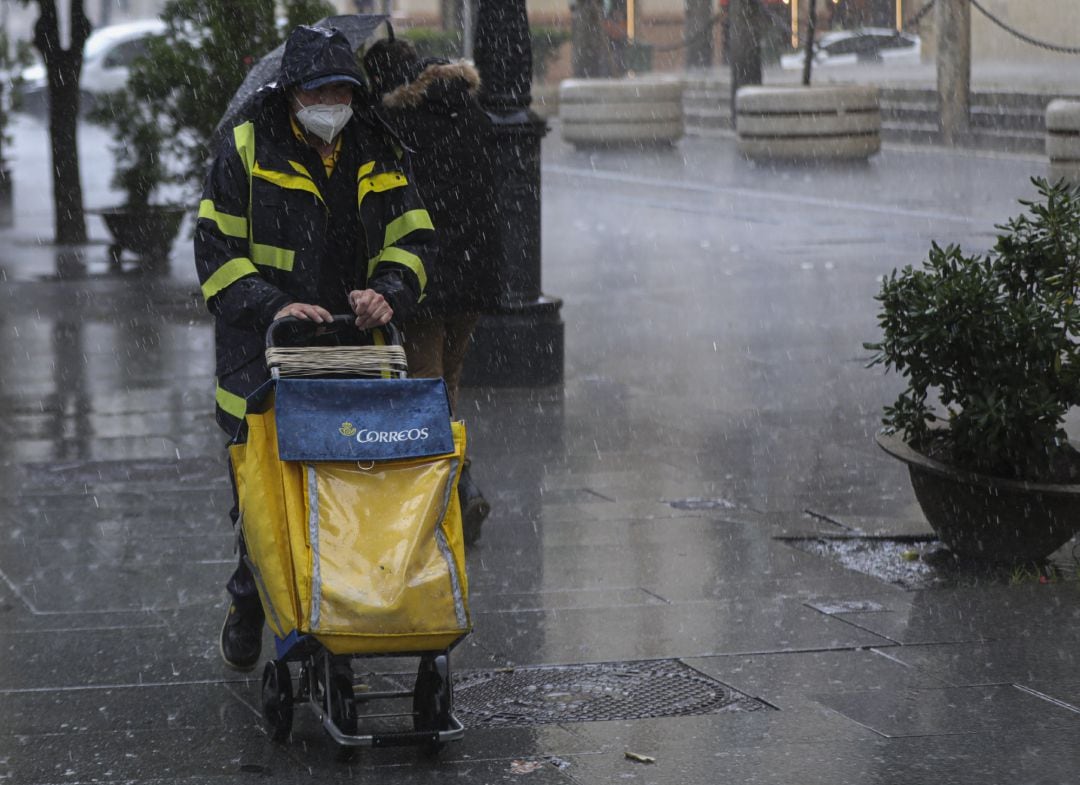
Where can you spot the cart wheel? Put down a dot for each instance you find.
(433, 697)
(343, 704)
(277, 699)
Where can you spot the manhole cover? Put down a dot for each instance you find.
(591, 693)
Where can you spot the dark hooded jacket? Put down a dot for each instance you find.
(273, 229)
(438, 116)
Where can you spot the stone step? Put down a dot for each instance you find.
(709, 118)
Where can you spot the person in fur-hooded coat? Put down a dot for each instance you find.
(432, 105)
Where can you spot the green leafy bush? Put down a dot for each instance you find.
(993, 338)
(179, 90)
(13, 58)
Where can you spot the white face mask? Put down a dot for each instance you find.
(324, 120)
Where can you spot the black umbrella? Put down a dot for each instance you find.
(358, 28)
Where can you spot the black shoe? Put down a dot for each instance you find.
(241, 637)
(474, 507)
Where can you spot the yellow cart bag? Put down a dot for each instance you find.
(350, 513)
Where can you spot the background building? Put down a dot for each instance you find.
(658, 24)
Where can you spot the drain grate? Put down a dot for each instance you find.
(595, 692)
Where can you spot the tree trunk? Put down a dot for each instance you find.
(697, 31)
(590, 49)
(745, 55)
(63, 69)
(954, 68)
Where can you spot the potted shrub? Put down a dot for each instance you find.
(163, 122)
(140, 224)
(987, 345)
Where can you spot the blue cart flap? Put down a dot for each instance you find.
(362, 419)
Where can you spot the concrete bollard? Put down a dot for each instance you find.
(1063, 140)
(597, 112)
(808, 123)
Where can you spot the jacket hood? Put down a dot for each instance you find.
(434, 81)
(315, 56)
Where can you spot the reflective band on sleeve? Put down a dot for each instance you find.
(272, 256)
(294, 182)
(231, 403)
(228, 225)
(402, 257)
(408, 222)
(228, 274)
(313, 536)
(364, 170)
(383, 181)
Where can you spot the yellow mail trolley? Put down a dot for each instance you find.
(347, 482)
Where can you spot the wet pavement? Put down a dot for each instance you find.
(716, 406)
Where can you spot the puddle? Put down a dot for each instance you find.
(924, 563)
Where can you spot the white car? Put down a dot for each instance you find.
(106, 56)
(863, 45)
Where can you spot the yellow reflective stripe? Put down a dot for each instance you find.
(378, 337)
(231, 402)
(402, 257)
(229, 273)
(405, 223)
(383, 181)
(272, 256)
(285, 180)
(244, 137)
(364, 170)
(299, 167)
(229, 225)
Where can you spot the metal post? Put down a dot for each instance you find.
(811, 29)
(521, 344)
(954, 68)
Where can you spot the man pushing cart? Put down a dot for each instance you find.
(308, 210)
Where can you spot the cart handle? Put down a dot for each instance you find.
(393, 334)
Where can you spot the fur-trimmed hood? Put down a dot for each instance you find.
(435, 81)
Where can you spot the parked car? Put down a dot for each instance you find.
(862, 45)
(107, 54)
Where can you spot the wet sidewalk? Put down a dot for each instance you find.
(660, 574)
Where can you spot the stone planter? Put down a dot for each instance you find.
(1063, 139)
(808, 123)
(987, 518)
(147, 232)
(598, 112)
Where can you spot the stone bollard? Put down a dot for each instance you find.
(808, 123)
(598, 112)
(1063, 140)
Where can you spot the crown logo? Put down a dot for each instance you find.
(347, 429)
